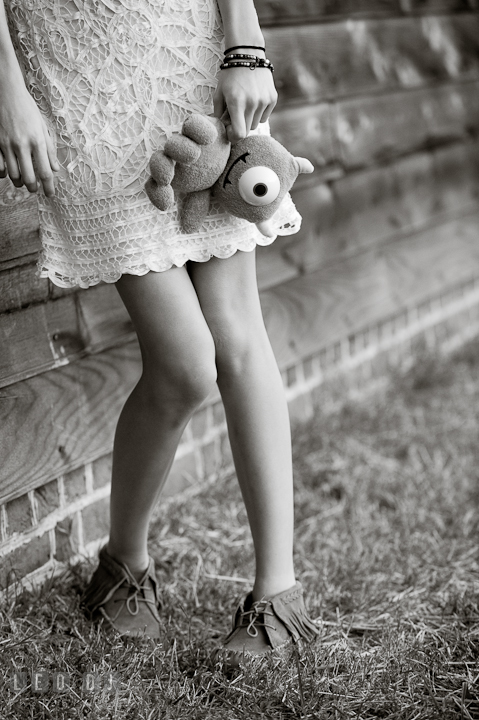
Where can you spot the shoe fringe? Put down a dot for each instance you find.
(295, 620)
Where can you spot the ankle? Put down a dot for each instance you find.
(136, 563)
(268, 587)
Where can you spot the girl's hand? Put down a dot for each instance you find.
(25, 144)
(243, 99)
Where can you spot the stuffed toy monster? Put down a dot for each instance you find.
(248, 179)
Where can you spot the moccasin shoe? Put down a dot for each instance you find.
(268, 625)
(128, 605)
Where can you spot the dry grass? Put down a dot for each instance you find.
(387, 527)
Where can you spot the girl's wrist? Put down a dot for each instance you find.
(240, 23)
(238, 39)
(10, 73)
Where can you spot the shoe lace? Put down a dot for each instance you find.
(135, 596)
(252, 617)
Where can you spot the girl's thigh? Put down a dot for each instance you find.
(227, 290)
(173, 334)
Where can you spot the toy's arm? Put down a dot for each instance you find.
(195, 208)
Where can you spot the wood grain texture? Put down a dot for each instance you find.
(372, 206)
(20, 286)
(320, 308)
(352, 133)
(374, 129)
(54, 422)
(438, 6)
(38, 338)
(276, 12)
(318, 62)
(104, 318)
(272, 266)
(309, 132)
(19, 229)
(51, 334)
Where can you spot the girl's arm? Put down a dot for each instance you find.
(24, 138)
(248, 96)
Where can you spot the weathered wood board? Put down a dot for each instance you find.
(103, 317)
(20, 286)
(340, 136)
(282, 12)
(19, 229)
(62, 419)
(314, 63)
(374, 129)
(371, 206)
(38, 338)
(273, 265)
(275, 12)
(309, 132)
(438, 6)
(320, 308)
(48, 335)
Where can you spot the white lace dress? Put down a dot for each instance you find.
(113, 79)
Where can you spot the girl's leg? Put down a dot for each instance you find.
(256, 411)
(178, 373)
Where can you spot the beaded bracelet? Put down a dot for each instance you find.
(252, 64)
(240, 47)
(249, 58)
(242, 56)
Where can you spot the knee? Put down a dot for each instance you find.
(239, 344)
(178, 385)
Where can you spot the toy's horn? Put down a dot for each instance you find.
(266, 228)
(304, 166)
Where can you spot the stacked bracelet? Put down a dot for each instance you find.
(251, 61)
(240, 47)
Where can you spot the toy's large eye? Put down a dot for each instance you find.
(259, 186)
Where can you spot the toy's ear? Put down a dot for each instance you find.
(266, 228)
(303, 165)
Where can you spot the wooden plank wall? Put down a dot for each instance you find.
(383, 97)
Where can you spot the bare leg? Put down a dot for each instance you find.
(178, 372)
(256, 412)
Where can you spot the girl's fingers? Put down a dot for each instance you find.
(219, 104)
(267, 112)
(52, 155)
(237, 129)
(249, 118)
(28, 173)
(12, 167)
(3, 166)
(258, 115)
(44, 168)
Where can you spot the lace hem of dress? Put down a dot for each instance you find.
(158, 263)
(221, 237)
(138, 260)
